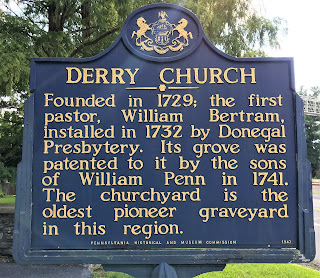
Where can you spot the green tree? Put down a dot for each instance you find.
(11, 141)
(312, 126)
(235, 27)
(83, 28)
(10, 146)
(80, 28)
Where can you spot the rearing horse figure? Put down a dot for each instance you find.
(141, 22)
(183, 33)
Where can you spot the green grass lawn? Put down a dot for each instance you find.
(263, 271)
(8, 200)
(242, 271)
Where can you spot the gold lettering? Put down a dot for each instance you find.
(214, 75)
(101, 73)
(187, 75)
(117, 74)
(162, 77)
(252, 74)
(132, 75)
(86, 75)
(79, 75)
(47, 99)
(226, 75)
(196, 75)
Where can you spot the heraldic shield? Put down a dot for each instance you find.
(162, 34)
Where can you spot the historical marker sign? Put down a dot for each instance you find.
(167, 148)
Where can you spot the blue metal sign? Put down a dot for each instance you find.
(167, 148)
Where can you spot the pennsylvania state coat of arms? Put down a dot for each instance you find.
(162, 36)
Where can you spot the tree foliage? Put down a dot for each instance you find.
(312, 126)
(10, 145)
(83, 28)
(236, 28)
(11, 141)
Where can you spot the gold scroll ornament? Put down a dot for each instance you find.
(160, 40)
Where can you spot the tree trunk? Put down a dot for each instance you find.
(85, 14)
(55, 16)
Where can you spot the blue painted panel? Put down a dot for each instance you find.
(205, 220)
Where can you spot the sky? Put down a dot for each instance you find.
(302, 41)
